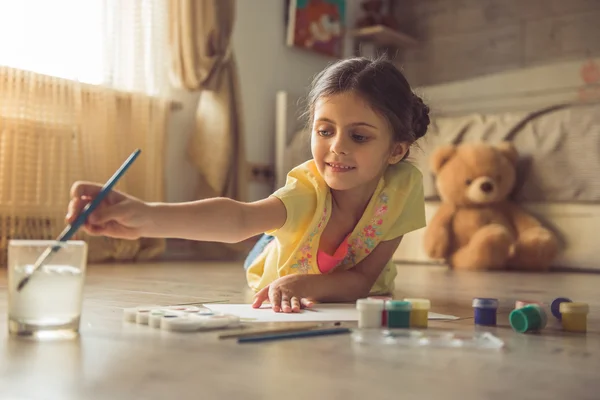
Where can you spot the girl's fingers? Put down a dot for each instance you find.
(91, 190)
(93, 230)
(280, 302)
(74, 208)
(100, 215)
(106, 213)
(286, 307)
(275, 297)
(306, 302)
(295, 304)
(261, 297)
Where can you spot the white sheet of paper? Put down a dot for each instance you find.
(322, 312)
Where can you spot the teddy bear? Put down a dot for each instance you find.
(477, 226)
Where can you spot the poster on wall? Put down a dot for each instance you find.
(317, 26)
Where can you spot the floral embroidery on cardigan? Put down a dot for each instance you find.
(366, 239)
(302, 263)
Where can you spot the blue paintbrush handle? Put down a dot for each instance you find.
(89, 208)
(294, 335)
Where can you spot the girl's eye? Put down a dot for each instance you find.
(360, 138)
(323, 133)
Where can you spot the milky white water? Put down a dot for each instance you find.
(51, 297)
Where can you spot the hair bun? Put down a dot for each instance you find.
(420, 121)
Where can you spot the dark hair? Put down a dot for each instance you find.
(380, 83)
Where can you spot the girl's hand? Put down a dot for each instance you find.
(287, 294)
(119, 215)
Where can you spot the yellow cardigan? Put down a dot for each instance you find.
(397, 207)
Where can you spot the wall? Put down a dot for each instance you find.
(459, 39)
(528, 88)
(267, 65)
(467, 38)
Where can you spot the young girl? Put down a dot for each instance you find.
(331, 231)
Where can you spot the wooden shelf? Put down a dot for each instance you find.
(384, 36)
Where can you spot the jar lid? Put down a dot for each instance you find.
(485, 302)
(523, 303)
(525, 319)
(398, 305)
(384, 298)
(419, 304)
(574, 307)
(369, 304)
(555, 305)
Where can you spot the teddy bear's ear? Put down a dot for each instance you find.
(509, 151)
(440, 156)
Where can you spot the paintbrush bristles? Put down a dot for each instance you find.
(22, 283)
(39, 262)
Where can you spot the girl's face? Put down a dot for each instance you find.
(351, 144)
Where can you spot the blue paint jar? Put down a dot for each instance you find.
(485, 311)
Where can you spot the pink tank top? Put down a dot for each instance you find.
(327, 262)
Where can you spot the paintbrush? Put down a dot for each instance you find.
(281, 329)
(294, 335)
(254, 331)
(70, 230)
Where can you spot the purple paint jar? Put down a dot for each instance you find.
(485, 311)
(555, 306)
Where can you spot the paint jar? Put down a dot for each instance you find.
(574, 316)
(543, 315)
(383, 299)
(369, 313)
(398, 313)
(419, 312)
(485, 311)
(555, 306)
(523, 303)
(529, 318)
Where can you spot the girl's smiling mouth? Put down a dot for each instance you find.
(337, 167)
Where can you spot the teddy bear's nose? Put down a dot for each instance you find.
(486, 187)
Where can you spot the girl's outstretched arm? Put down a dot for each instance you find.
(216, 219)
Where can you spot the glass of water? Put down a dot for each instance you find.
(49, 305)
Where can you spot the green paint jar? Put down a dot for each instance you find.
(530, 318)
(398, 313)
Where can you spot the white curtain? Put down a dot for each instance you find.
(136, 54)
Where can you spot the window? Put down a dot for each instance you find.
(118, 43)
(62, 38)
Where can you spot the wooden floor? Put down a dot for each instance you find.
(116, 360)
